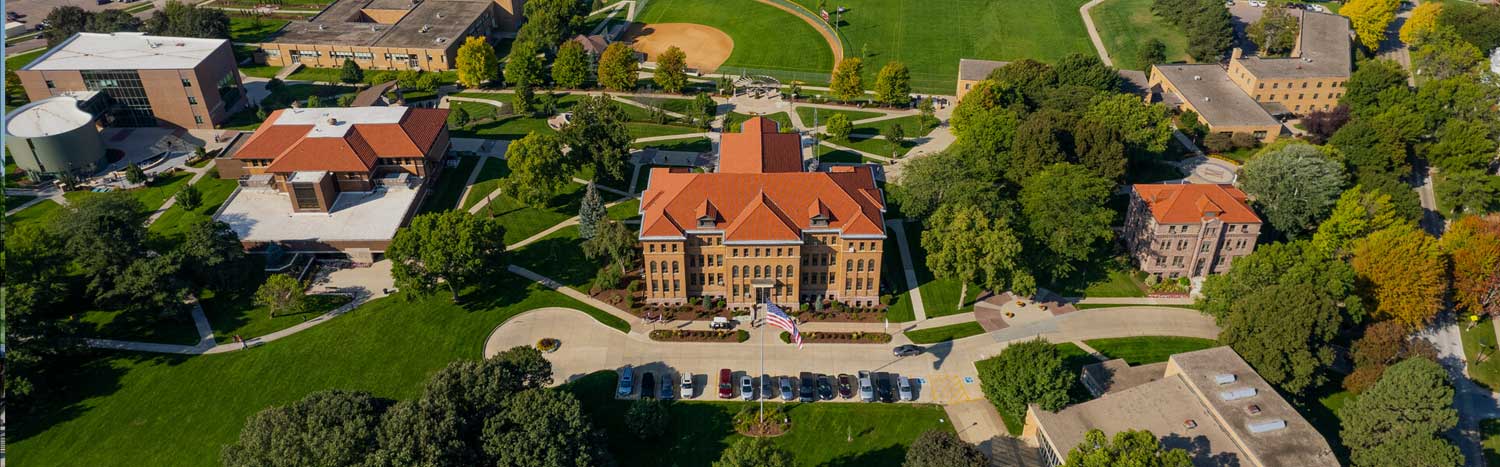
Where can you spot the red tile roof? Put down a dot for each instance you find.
(291, 149)
(760, 147)
(1191, 203)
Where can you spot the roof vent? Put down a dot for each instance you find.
(1197, 78)
(1269, 425)
(332, 121)
(425, 28)
(1190, 424)
(1237, 394)
(1224, 378)
(322, 27)
(1253, 409)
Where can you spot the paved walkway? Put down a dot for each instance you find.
(1473, 402)
(909, 271)
(1088, 23)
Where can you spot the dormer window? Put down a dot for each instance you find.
(705, 222)
(820, 221)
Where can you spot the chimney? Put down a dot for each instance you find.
(1236, 53)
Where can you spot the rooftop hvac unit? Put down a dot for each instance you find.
(1268, 425)
(1224, 378)
(1237, 394)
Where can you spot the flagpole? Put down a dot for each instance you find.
(762, 414)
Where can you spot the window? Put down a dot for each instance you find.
(1304, 85)
(364, 56)
(1261, 86)
(848, 265)
(1171, 229)
(1259, 134)
(198, 119)
(1301, 95)
(1275, 85)
(50, 85)
(273, 53)
(187, 83)
(1203, 248)
(674, 267)
(653, 267)
(1320, 84)
(1315, 95)
(193, 101)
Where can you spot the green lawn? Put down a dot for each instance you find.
(945, 333)
(288, 93)
(119, 324)
(733, 120)
(15, 201)
(518, 126)
(1479, 349)
(1116, 284)
(627, 210)
(559, 256)
(243, 29)
(234, 313)
(39, 214)
(120, 409)
(879, 147)
(693, 144)
(827, 154)
(15, 62)
(176, 220)
(1126, 25)
(261, 71)
(244, 120)
(910, 124)
(1073, 358)
(1153, 172)
(766, 39)
(1489, 432)
(892, 272)
(806, 114)
(646, 130)
(488, 180)
(820, 436)
(1320, 408)
(1144, 350)
(939, 296)
(450, 185)
(307, 73)
(670, 104)
(521, 221)
(931, 36)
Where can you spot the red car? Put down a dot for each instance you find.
(726, 386)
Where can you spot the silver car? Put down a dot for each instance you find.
(747, 388)
(903, 387)
(787, 392)
(866, 387)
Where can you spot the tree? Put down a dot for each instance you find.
(543, 428)
(523, 67)
(1028, 76)
(1206, 23)
(104, 235)
(671, 70)
(1406, 273)
(1399, 419)
(962, 243)
(570, 70)
(1142, 126)
(703, 110)
(458, 116)
(185, 20)
(895, 136)
(839, 127)
(755, 452)
(1423, 20)
(1323, 124)
(1370, 19)
(1384, 343)
(1477, 25)
(1275, 33)
(1153, 52)
(548, 22)
(928, 112)
(1130, 447)
(986, 102)
(1087, 70)
(450, 248)
(948, 177)
(597, 136)
(1468, 192)
(1038, 143)
(1371, 149)
(538, 168)
(1473, 242)
(893, 84)
(1065, 207)
(1098, 147)
(1369, 79)
(314, 101)
(329, 428)
(847, 81)
(1288, 347)
(282, 295)
(212, 254)
(64, 22)
(38, 328)
(648, 418)
(1294, 186)
(590, 212)
(1027, 372)
(613, 242)
(351, 73)
(1441, 54)
(1462, 145)
(189, 197)
(937, 448)
(109, 21)
(617, 68)
(1357, 213)
(476, 62)
(134, 175)
(417, 80)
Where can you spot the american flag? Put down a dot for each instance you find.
(824, 14)
(778, 318)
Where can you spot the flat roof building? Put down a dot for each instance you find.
(179, 82)
(389, 34)
(1208, 402)
(332, 179)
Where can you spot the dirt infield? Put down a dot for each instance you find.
(706, 47)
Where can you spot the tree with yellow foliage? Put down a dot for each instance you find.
(1424, 19)
(1405, 273)
(1370, 19)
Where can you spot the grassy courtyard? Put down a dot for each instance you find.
(1126, 25)
(245, 29)
(175, 221)
(931, 36)
(1145, 350)
(822, 434)
(945, 333)
(766, 39)
(130, 409)
(450, 185)
(807, 114)
(939, 296)
(1479, 349)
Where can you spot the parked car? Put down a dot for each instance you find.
(825, 387)
(627, 382)
(687, 385)
(1317, 8)
(903, 386)
(787, 392)
(866, 387)
(12, 16)
(720, 322)
(726, 386)
(883, 387)
(767, 387)
(667, 392)
(846, 386)
(747, 388)
(807, 390)
(648, 385)
(908, 350)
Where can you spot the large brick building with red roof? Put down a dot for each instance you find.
(760, 225)
(1189, 230)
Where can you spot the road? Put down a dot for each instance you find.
(1474, 403)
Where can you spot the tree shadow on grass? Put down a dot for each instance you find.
(62, 395)
(893, 455)
(501, 289)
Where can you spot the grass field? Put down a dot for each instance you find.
(522, 221)
(15, 201)
(450, 186)
(766, 39)
(733, 120)
(176, 220)
(931, 36)
(1479, 344)
(234, 313)
(820, 434)
(1148, 349)
(490, 173)
(1489, 437)
(939, 296)
(120, 324)
(15, 62)
(945, 333)
(242, 29)
(892, 272)
(693, 144)
(807, 114)
(827, 154)
(1126, 25)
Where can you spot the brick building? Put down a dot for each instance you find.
(389, 34)
(1188, 230)
(364, 169)
(761, 225)
(178, 82)
(1252, 92)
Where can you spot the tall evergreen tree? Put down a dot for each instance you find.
(590, 212)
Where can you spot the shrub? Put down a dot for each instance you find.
(1243, 140)
(887, 299)
(1218, 142)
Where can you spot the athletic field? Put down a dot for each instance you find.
(767, 40)
(1126, 25)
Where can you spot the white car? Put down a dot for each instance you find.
(687, 385)
(747, 388)
(1258, 4)
(1317, 8)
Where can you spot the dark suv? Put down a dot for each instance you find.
(883, 390)
(807, 388)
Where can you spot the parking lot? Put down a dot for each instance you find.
(936, 388)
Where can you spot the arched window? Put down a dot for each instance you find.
(778, 271)
(871, 264)
(745, 271)
(653, 267)
(674, 267)
(848, 265)
(757, 271)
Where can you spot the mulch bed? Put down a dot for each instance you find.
(691, 335)
(824, 337)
